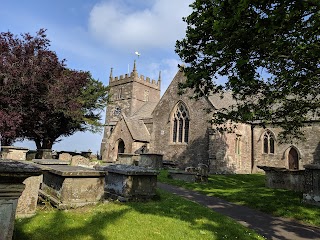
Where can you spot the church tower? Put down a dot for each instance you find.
(128, 93)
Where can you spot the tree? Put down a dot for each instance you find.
(268, 50)
(41, 99)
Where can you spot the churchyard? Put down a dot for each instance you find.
(88, 199)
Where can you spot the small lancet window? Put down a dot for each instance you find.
(180, 124)
(238, 145)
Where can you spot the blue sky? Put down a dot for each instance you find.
(95, 35)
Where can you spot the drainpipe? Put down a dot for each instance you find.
(252, 148)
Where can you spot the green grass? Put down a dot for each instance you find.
(167, 217)
(250, 190)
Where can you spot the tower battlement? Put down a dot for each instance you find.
(134, 76)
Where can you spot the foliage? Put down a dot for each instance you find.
(41, 99)
(169, 217)
(267, 50)
(250, 190)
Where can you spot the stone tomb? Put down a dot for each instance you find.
(151, 160)
(128, 159)
(311, 193)
(284, 178)
(14, 153)
(127, 183)
(12, 175)
(72, 186)
(182, 175)
(50, 162)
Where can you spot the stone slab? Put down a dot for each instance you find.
(50, 162)
(74, 171)
(129, 170)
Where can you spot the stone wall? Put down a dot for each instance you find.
(222, 151)
(308, 149)
(196, 150)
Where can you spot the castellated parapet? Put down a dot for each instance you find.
(133, 76)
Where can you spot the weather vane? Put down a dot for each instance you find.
(137, 53)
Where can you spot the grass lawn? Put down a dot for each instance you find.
(167, 217)
(250, 190)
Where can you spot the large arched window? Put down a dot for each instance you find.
(268, 142)
(180, 124)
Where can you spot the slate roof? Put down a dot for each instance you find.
(145, 111)
(219, 102)
(138, 129)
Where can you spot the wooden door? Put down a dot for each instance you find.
(293, 159)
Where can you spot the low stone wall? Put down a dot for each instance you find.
(127, 183)
(284, 178)
(182, 175)
(72, 186)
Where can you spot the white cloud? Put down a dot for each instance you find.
(158, 26)
(168, 68)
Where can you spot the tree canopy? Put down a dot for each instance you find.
(40, 98)
(269, 53)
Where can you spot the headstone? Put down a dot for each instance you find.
(65, 157)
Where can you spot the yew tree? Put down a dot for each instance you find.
(268, 53)
(40, 98)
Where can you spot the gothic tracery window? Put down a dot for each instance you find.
(268, 142)
(180, 124)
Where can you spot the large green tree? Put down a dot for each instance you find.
(268, 52)
(40, 98)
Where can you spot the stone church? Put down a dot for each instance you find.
(139, 120)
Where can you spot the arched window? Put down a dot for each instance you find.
(180, 124)
(268, 142)
(121, 146)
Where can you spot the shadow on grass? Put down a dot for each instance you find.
(166, 213)
(60, 226)
(250, 190)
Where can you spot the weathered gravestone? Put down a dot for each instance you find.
(311, 193)
(12, 175)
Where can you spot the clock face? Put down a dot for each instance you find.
(117, 111)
